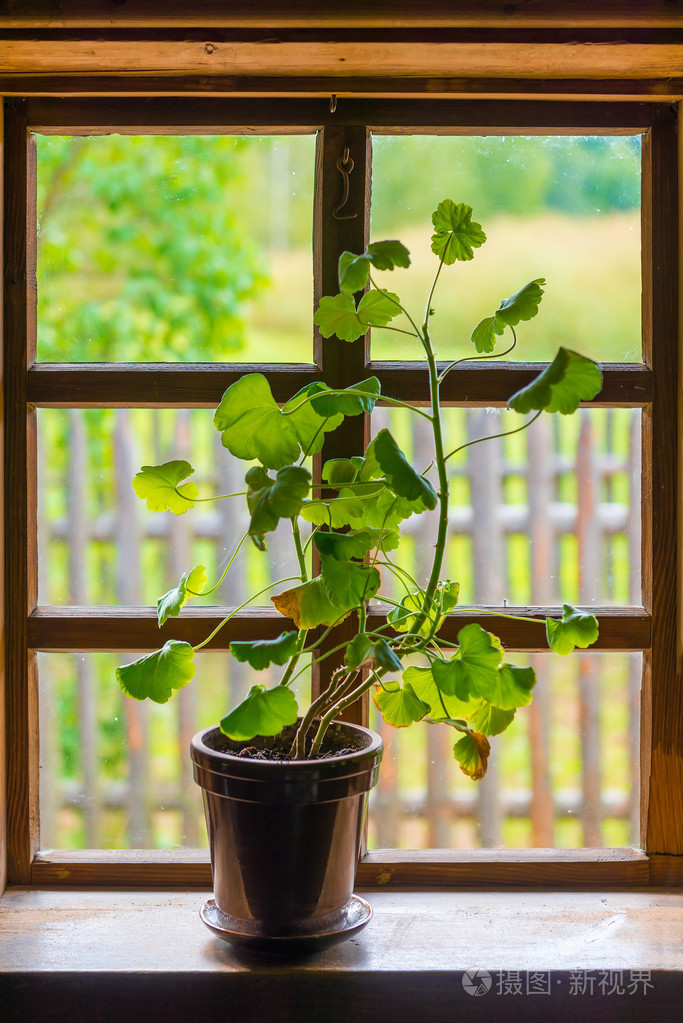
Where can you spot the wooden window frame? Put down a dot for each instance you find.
(653, 386)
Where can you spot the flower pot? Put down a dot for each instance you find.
(285, 837)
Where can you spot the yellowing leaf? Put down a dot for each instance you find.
(308, 605)
(472, 753)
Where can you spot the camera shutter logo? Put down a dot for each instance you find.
(476, 982)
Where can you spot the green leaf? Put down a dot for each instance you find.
(159, 486)
(484, 334)
(263, 712)
(253, 427)
(362, 508)
(473, 669)
(403, 617)
(512, 687)
(347, 583)
(338, 471)
(490, 720)
(156, 675)
(353, 272)
(362, 650)
(576, 628)
(400, 475)
(344, 546)
(337, 314)
(341, 402)
(523, 305)
(270, 500)
(472, 753)
(399, 705)
(456, 233)
(261, 652)
(442, 706)
(309, 605)
(569, 379)
(377, 308)
(189, 586)
(310, 426)
(389, 254)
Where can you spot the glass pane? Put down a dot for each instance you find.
(548, 515)
(98, 543)
(116, 773)
(175, 249)
(564, 774)
(563, 208)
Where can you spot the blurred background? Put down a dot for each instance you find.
(199, 249)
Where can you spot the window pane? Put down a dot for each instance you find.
(98, 543)
(548, 515)
(116, 773)
(562, 208)
(175, 248)
(564, 774)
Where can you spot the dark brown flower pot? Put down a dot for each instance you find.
(285, 837)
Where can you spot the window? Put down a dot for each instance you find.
(33, 387)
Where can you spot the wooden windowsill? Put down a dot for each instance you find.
(98, 955)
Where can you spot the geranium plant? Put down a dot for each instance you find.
(353, 516)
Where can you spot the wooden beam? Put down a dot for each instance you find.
(213, 56)
(662, 705)
(189, 114)
(637, 89)
(88, 629)
(164, 385)
(20, 496)
(619, 14)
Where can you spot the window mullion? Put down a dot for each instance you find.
(342, 155)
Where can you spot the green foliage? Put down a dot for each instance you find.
(339, 316)
(260, 653)
(399, 705)
(162, 488)
(156, 675)
(523, 305)
(456, 234)
(252, 426)
(569, 379)
(270, 500)
(472, 690)
(189, 586)
(576, 628)
(263, 712)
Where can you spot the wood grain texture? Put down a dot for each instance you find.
(154, 385)
(338, 228)
(119, 628)
(491, 59)
(19, 518)
(87, 116)
(3, 773)
(662, 785)
(56, 14)
(381, 869)
(445, 87)
(164, 385)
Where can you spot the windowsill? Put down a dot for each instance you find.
(104, 953)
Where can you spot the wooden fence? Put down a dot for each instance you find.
(529, 519)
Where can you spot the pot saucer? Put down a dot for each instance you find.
(353, 917)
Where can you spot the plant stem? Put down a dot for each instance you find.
(493, 436)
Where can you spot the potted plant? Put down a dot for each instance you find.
(285, 788)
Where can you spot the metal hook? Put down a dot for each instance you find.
(333, 102)
(344, 165)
